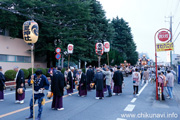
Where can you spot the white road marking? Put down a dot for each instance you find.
(14, 92)
(129, 107)
(142, 89)
(120, 119)
(133, 100)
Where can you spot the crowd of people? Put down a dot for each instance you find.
(102, 79)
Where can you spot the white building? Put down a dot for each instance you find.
(15, 52)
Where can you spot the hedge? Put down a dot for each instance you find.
(26, 73)
(30, 71)
(43, 70)
(10, 75)
(47, 74)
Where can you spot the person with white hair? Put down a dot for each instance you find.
(70, 79)
(20, 83)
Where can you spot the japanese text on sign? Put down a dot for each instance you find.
(164, 47)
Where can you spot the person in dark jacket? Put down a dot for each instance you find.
(41, 83)
(90, 76)
(20, 83)
(57, 88)
(70, 81)
(2, 84)
(99, 81)
(82, 84)
(118, 80)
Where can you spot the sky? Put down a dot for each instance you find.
(145, 17)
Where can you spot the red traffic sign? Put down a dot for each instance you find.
(58, 50)
(58, 56)
(163, 36)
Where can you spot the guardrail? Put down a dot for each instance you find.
(12, 84)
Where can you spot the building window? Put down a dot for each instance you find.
(3, 58)
(27, 59)
(11, 58)
(19, 59)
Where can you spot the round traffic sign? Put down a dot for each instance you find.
(58, 50)
(163, 36)
(58, 56)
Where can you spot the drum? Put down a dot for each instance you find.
(92, 85)
(20, 90)
(49, 95)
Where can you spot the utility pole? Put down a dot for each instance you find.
(171, 37)
(171, 40)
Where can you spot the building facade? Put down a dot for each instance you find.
(15, 52)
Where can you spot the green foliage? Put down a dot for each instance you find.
(10, 75)
(83, 70)
(26, 73)
(123, 44)
(43, 70)
(80, 22)
(47, 74)
(30, 71)
(63, 70)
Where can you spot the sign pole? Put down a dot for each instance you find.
(68, 60)
(99, 61)
(108, 58)
(32, 61)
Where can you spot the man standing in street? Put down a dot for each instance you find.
(90, 76)
(70, 81)
(57, 88)
(108, 78)
(98, 80)
(170, 83)
(20, 83)
(2, 84)
(40, 84)
(82, 84)
(118, 80)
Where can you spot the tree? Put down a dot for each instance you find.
(123, 42)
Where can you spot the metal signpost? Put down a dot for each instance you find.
(163, 35)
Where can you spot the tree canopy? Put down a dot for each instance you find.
(79, 22)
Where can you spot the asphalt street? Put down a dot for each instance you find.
(124, 107)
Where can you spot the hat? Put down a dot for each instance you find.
(79, 70)
(118, 67)
(0, 67)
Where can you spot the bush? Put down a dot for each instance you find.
(43, 70)
(63, 70)
(83, 70)
(47, 74)
(26, 73)
(10, 75)
(30, 71)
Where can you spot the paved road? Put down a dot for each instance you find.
(123, 107)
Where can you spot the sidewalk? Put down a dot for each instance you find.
(176, 92)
